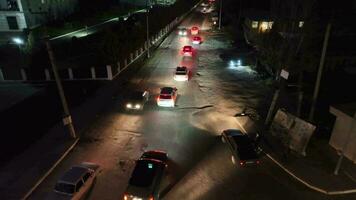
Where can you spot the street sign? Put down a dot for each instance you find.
(284, 74)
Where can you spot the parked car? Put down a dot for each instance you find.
(137, 100)
(167, 97)
(182, 31)
(147, 176)
(76, 182)
(188, 51)
(181, 74)
(243, 148)
(194, 30)
(197, 40)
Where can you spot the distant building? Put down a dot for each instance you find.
(16, 15)
(255, 22)
(150, 2)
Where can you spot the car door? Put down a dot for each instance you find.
(79, 190)
(88, 180)
(232, 145)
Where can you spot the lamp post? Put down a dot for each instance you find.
(147, 31)
(220, 14)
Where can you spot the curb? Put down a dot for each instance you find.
(305, 183)
(28, 194)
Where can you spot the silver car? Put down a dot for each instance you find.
(76, 182)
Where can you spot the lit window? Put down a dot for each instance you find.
(264, 26)
(270, 25)
(254, 24)
(301, 23)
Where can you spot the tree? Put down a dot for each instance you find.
(110, 47)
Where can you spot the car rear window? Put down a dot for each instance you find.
(187, 48)
(181, 72)
(166, 96)
(144, 173)
(65, 188)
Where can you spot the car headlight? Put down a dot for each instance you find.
(128, 105)
(137, 106)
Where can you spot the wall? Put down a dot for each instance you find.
(343, 136)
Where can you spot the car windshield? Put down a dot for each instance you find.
(155, 155)
(136, 96)
(144, 173)
(65, 188)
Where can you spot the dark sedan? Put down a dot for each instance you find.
(242, 147)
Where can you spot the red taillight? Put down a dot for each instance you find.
(242, 163)
(151, 198)
(126, 197)
(158, 98)
(258, 162)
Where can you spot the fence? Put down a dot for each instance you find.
(92, 73)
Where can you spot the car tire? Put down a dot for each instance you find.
(233, 160)
(223, 139)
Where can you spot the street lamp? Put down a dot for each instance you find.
(147, 31)
(17, 40)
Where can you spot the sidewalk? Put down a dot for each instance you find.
(23, 172)
(316, 169)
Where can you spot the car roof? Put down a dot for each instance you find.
(145, 171)
(166, 90)
(73, 174)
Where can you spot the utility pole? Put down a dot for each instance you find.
(220, 14)
(67, 120)
(147, 31)
(320, 71)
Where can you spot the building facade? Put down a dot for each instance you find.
(17, 15)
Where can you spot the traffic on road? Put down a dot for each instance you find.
(174, 135)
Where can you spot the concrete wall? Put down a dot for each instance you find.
(343, 136)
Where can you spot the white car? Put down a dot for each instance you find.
(181, 74)
(76, 182)
(167, 97)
